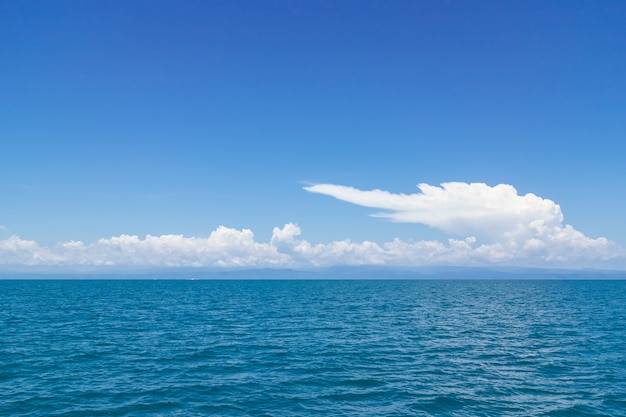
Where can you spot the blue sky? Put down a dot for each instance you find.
(175, 118)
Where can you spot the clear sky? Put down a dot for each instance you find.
(201, 119)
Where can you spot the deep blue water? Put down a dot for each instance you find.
(308, 348)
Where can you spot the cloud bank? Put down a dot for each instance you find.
(499, 225)
(492, 226)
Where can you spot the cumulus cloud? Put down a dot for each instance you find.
(225, 247)
(457, 207)
(509, 226)
(16, 251)
(228, 248)
(492, 225)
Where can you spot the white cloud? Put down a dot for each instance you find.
(338, 252)
(225, 247)
(495, 225)
(228, 248)
(510, 226)
(16, 251)
(457, 207)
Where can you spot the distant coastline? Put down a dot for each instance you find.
(333, 273)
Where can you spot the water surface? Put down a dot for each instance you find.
(305, 348)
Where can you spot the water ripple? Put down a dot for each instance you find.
(303, 348)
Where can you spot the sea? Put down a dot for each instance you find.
(313, 347)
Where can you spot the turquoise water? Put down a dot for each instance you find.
(308, 348)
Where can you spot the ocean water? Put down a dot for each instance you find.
(309, 348)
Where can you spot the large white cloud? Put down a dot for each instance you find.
(456, 207)
(508, 226)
